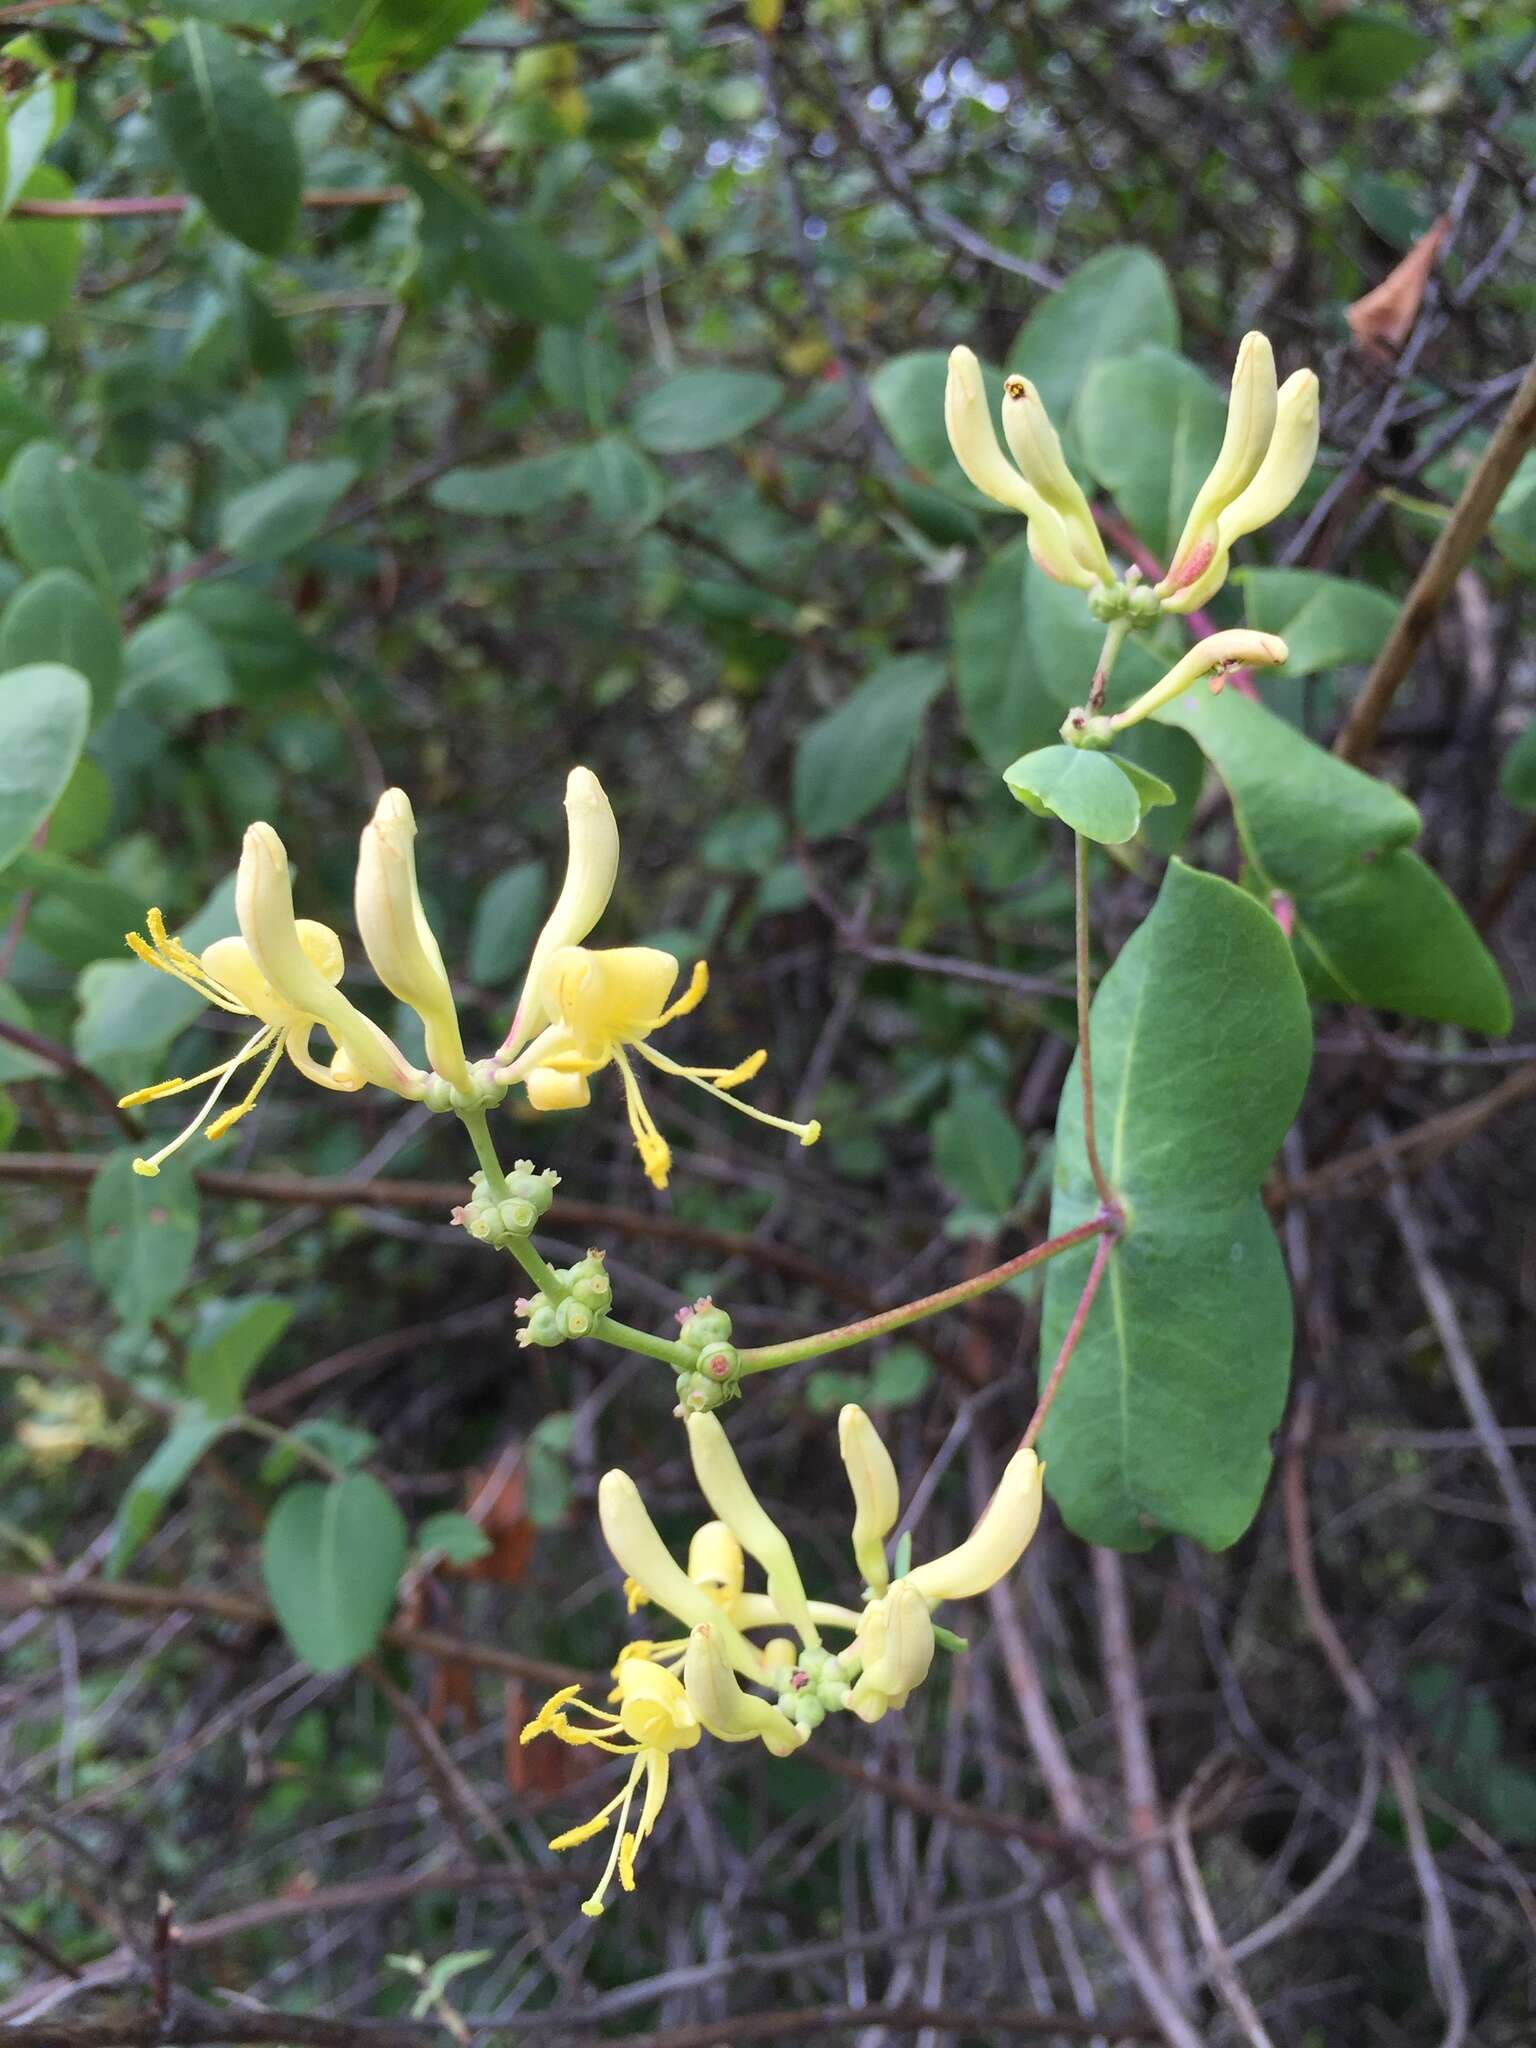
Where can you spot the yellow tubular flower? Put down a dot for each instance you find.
(654, 1718)
(1287, 463)
(1250, 424)
(996, 1543)
(632, 1537)
(1239, 647)
(591, 867)
(724, 1485)
(896, 1643)
(264, 907)
(972, 436)
(1036, 448)
(397, 938)
(605, 1004)
(725, 1710)
(226, 975)
(715, 1562)
(876, 1496)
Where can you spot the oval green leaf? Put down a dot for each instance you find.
(228, 136)
(331, 1557)
(700, 409)
(1088, 791)
(60, 513)
(60, 617)
(45, 711)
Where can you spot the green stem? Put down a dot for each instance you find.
(254, 1425)
(479, 1131)
(627, 1338)
(1109, 654)
(767, 1357)
(1084, 1040)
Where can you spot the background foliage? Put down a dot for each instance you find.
(446, 395)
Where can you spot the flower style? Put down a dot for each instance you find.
(602, 1004)
(1266, 456)
(1062, 535)
(282, 972)
(666, 1692)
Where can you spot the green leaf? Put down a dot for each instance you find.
(45, 711)
(16, 1062)
(174, 670)
(1392, 935)
(228, 136)
(230, 1341)
(1517, 772)
(459, 1539)
(1201, 1044)
(284, 512)
(342, 1442)
(978, 1151)
(1149, 427)
(32, 120)
(509, 490)
(1358, 56)
(1325, 621)
(1334, 843)
(20, 420)
(191, 1432)
(1001, 703)
(700, 409)
(1097, 796)
(62, 514)
(622, 486)
(402, 35)
(520, 271)
(1178, 764)
(331, 1557)
(509, 913)
(142, 1235)
(77, 915)
(908, 396)
(1115, 303)
(266, 651)
(849, 761)
(59, 617)
(39, 258)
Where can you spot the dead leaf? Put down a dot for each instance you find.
(496, 1500)
(1383, 320)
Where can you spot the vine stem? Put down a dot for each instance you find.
(1109, 1229)
(769, 1356)
(1106, 1193)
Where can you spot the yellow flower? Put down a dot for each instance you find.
(1062, 536)
(654, 1718)
(397, 938)
(282, 972)
(996, 1543)
(65, 1421)
(876, 1496)
(1266, 456)
(896, 1642)
(604, 1005)
(729, 1713)
(1237, 647)
(591, 866)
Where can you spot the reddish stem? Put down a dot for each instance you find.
(141, 206)
(1074, 1331)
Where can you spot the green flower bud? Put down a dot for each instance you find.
(696, 1395)
(703, 1324)
(574, 1317)
(543, 1327)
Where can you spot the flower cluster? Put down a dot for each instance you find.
(716, 1679)
(1266, 454)
(582, 1008)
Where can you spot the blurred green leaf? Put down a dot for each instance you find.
(39, 258)
(699, 409)
(459, 1539)
(1325, 621)
(508, 915)
(1517, 772)
(978, 1151)
(141, 1235)
(1149, 426)
(284, 512)
(191, 1433)
(908, 394)
(1357, 56)
(851, 760)
(402, 35)
(504, 490)
(44, 713)
(1118, 301)
(231, 1339)
(62, 514)
(60, 617)
(174, 670)
(229, 137)
(331, 1557)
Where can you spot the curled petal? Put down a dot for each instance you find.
(968, 420)
(1036, 448)
(896, 1642)
(1239, 647)
(996, 1543)
(726, 1710)
(1287, 462)
(1250, 425)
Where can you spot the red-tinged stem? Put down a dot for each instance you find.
(145, 206)
(767, 1356)
(1074, 1331)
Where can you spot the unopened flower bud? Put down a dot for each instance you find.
(574, 1317)
(724, 1485)
(1036, 448)
(972, 436)
(996, 1543)
(1250, 425)
(397, 938)
(702, 1323)
(876, 1495)
(716, 1563)
(727, 1711)
(1239, 647)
